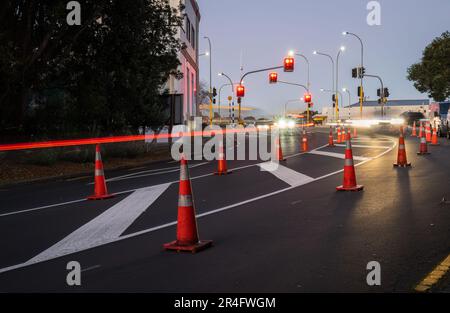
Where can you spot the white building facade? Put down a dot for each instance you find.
(372, 109)
(183, 92)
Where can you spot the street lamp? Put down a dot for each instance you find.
(332, 66)
(232, 91)
(361, 98)
(210, 81)
(307, 63)
(341, 49)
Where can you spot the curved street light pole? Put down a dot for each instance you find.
(361, 98)
(332, 68)
(307, 62)
(337, 81)
(349, 101)
(211, 116)
(231, 104)
(287, 102)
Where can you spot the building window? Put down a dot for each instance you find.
(188, 29)
(193, 38)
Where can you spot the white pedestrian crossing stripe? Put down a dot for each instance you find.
(107, 226)
(287, 175)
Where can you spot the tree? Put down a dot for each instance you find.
(104, 76)
(432, 74)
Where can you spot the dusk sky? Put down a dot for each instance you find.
(265, 30)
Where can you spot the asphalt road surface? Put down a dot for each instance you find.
(282, 231)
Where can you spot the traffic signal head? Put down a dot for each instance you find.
(240, 91)
(354, 72)
(386, 92)
(307, 97)
(214, 92)
(289, 64)
(273, 78)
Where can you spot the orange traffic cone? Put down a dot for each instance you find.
(355, 133)
(420, 129)
(401, 156)
(100, 190)
(304, 141)
(349, 183)
(428, 132)
(279, 151)
(339, 138)
(423, 148)
(222, 162)
(330, 138)
(434, 138)
(414, 132)
(187, 234)
(343, 135)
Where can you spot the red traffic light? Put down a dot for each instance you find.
(273, 78)
(240, 91)
(289, 64)
(307, 97)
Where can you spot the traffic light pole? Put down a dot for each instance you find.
(306, 89)
(249, 73)
(383, 99)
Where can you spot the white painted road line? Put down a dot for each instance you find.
(337, 155)
(150, 173)
(366, 146)
(107, 226)
(226, 208)
(289, 176)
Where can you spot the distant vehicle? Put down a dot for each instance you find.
(441, 119)
(264, 123)
(250, 121)
(411, 117)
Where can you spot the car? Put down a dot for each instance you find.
(411, 117)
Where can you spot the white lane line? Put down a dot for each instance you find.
(106, 227)
(291, 177)
(365, 146)
(132, 190)
(337, 155)
(156, 228)
(42, 207)
(150, 173)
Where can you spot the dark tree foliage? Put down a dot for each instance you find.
(432, 74)
(102, 77)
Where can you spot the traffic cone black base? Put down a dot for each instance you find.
(199, 246)
(223, 173)
(402, 165)
(423, 153)
(356, 188)
(100, 197)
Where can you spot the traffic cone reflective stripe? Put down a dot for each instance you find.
(330, 138)
(222, 162)
(304, 142)
(423, 148)
(349, 181)
(434, 138)
(401, 155)
(414, 132)
(100, 189)
(187, 231)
